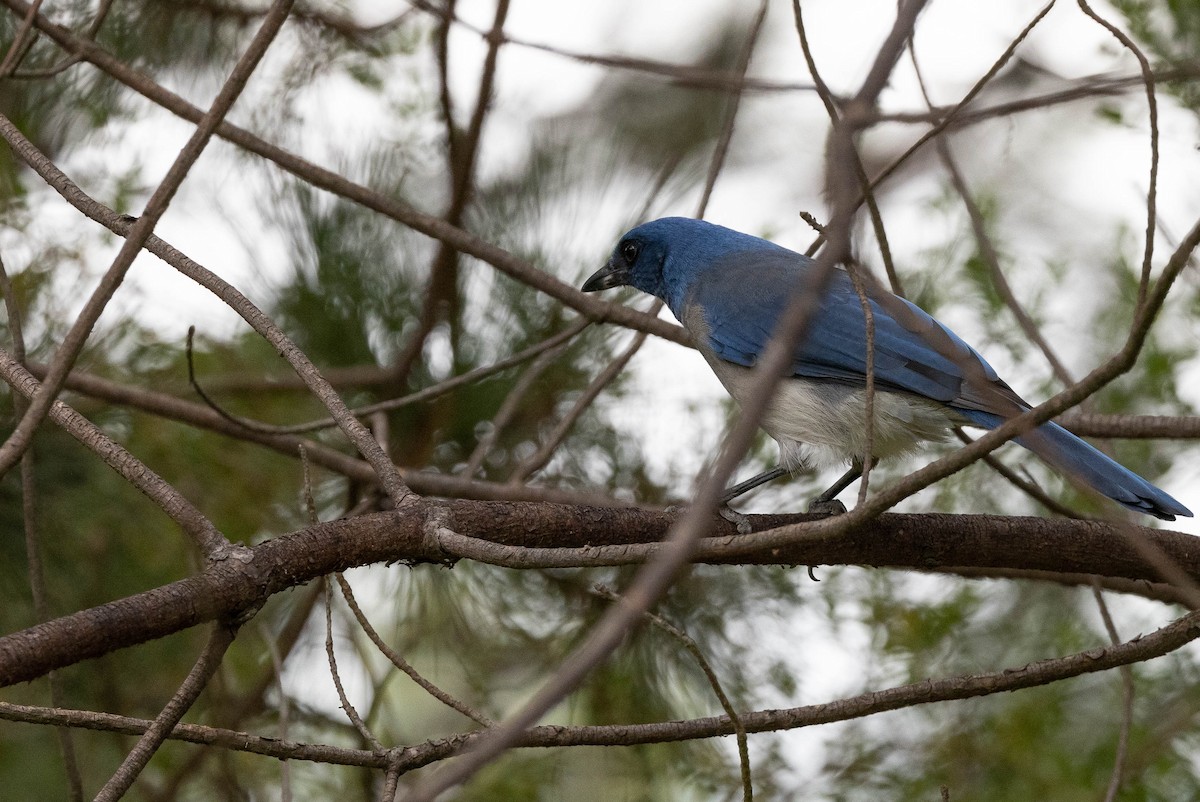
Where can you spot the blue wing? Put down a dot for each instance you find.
(743, 298)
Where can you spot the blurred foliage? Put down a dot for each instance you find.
(353, 298)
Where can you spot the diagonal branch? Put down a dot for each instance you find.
(385, 470)
(77, 335)
(133, 470)
(154, 736)
(463, 241)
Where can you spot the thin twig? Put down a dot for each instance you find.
(75, 338)
(71, 60)
(399, 662)
(537, 460)
(991, 259)
(831, 108)
(158, 732)
(681, 74)
(22, 41)
(1087, 88)
(41, 608)
(860, 289)
(351, 713)
(731, 109)
(1026, 486)
(697, 654)
(509, 407)
(462, 151)
(237, 420)
(1152, 104)
(33, 550)
(426, 394)
(285, 768)
(1126, 672)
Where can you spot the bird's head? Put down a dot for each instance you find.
(665, 257)
(639, 258)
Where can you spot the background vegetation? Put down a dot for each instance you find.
(455, 218)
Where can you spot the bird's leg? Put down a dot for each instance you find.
(753, 482)
(736, 518)
(827, 503)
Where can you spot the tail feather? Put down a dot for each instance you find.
(1074, 457)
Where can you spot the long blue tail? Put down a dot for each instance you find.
(1074, 457)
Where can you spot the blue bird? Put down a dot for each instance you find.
(728, 289)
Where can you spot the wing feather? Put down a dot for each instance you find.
(743, 298)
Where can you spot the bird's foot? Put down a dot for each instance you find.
(740, 522)
(827, 507)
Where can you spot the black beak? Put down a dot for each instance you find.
(607, 277)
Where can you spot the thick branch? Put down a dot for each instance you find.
(541, 534)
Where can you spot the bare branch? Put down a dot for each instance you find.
(344, 701)
(171, 501)
(1162, 641)
(537, 460)
(386, 471)
(511, 405)
(731, 110)
(590, 306)
(1114, 783)
(402, 664)
(33, 549)
(1152, 106)
(540, 535)
(73, 342)
(714, 682)
(158, 732)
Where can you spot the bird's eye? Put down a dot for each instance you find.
(630, 251)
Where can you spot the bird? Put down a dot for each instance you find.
(729, 289)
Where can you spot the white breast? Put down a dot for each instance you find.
(825, 421)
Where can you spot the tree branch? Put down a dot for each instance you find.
(434, 227)
(1043, 672)
(538, 535)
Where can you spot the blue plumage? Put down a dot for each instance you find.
(729, 289)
